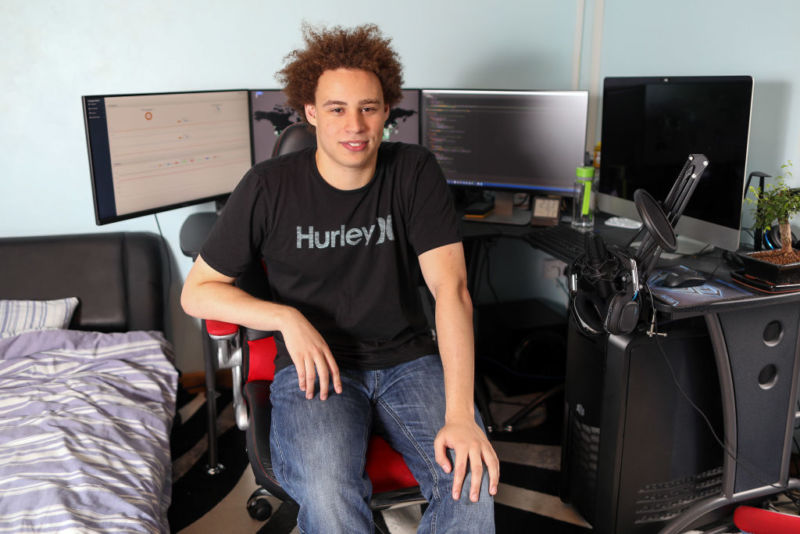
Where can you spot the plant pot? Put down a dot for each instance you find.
(768, 271)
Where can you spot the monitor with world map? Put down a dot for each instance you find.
(270, 114)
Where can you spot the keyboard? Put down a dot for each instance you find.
(560, 241)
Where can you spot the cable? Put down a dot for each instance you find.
(560, 283)
(486, 265)
(517, 373)
(712, 273)
(653, 331)
(166, 253)
(753, 470)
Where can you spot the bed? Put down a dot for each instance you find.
(87, 384)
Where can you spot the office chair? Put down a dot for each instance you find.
(296, 136)
(250, 356)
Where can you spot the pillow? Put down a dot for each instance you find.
(18, 316)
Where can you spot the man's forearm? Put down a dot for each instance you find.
(209, 295)
(456, 347)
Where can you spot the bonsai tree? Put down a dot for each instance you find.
(777, 203)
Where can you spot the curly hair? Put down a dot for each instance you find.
(362, 47)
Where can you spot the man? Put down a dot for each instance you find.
(344, 230)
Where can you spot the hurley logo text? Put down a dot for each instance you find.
(346, 237)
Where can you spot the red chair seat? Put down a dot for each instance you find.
(386, 468)
(758, 521)
(261, 364)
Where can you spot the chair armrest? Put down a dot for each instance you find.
(217, 329)
(229, 356)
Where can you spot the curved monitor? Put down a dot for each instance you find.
(650, 125)
(154, 152)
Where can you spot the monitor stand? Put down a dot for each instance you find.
(686, 246)
(505, 212)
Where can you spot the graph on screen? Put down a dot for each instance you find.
(167, 148)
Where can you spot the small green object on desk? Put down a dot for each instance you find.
(585, 176)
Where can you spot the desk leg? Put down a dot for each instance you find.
(213, 467)
(757, 351)
(685, 521)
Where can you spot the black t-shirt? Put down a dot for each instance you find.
(347, 260)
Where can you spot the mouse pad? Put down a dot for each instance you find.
(712, 290)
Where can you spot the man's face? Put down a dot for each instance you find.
(349, 114)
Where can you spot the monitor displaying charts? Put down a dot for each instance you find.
(153, 152)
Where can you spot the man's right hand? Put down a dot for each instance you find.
(209, 294)
(311, 355)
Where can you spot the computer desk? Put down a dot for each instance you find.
(755, 340)
(755, 344)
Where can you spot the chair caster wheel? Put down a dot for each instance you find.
(259, 507)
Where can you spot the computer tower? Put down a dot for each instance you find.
(636, 452)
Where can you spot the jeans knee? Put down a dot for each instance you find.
(332, 492)
(334, 507)
(446, 514)
(445, 488)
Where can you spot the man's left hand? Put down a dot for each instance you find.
(469, 444)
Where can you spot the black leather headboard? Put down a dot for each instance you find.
(118, 277)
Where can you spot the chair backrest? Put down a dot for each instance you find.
(259, 359)
(294, 137)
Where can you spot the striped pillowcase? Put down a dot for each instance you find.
(18, 316)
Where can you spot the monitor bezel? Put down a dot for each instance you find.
(724, 237)
(93, 171)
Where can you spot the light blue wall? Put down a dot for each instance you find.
(56, 51)
(711, 37)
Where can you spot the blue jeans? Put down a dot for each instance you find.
(319, 447)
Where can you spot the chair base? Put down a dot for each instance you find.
(397, 498)
(258, 507)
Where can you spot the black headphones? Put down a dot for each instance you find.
(604, 290)
(771, 239)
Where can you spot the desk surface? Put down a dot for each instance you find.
(718, 294)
